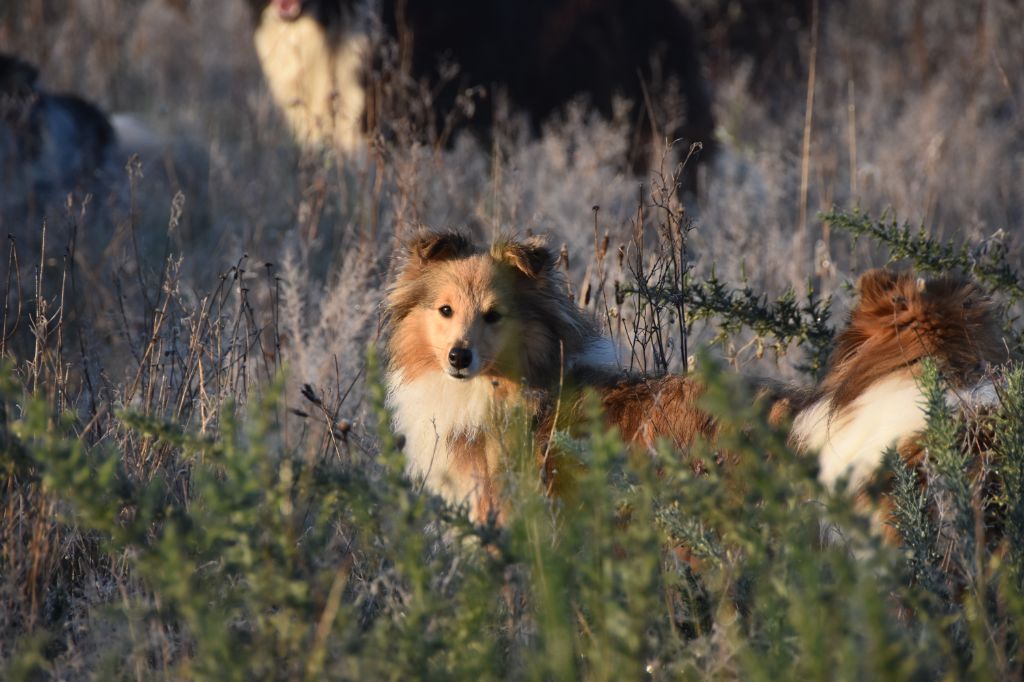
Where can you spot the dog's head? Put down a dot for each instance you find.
(901, 319)
(466, 312)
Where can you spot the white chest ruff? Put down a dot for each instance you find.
(432, 411)
(852, 441)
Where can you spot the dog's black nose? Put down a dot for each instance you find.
(460, 358)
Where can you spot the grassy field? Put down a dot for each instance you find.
(198, 476)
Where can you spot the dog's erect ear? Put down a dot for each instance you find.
(422, 250)
(530, 257)
(427, 247)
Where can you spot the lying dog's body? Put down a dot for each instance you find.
(318, 58)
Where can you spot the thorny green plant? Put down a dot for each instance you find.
(251, 551)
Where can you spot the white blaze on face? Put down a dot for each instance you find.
(318, 89)
(466, 314)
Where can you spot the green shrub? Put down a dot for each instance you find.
(245, 556)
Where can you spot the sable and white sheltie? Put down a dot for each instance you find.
(477, 334)
(871, 398)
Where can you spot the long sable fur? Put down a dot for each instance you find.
(900, 320)
(540, 300)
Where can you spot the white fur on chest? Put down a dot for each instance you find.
(316, 84)
(852, 442)
(433, 410)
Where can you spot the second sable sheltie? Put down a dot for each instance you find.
(477, 334)
(871, 398)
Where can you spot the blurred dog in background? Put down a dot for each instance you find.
(331, 65)
(50, 144)
(56, 145)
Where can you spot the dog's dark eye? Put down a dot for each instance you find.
(445, 310)
(492, 316)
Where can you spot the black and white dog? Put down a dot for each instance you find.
(322, 59)
(50, 144)
(56, 145)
